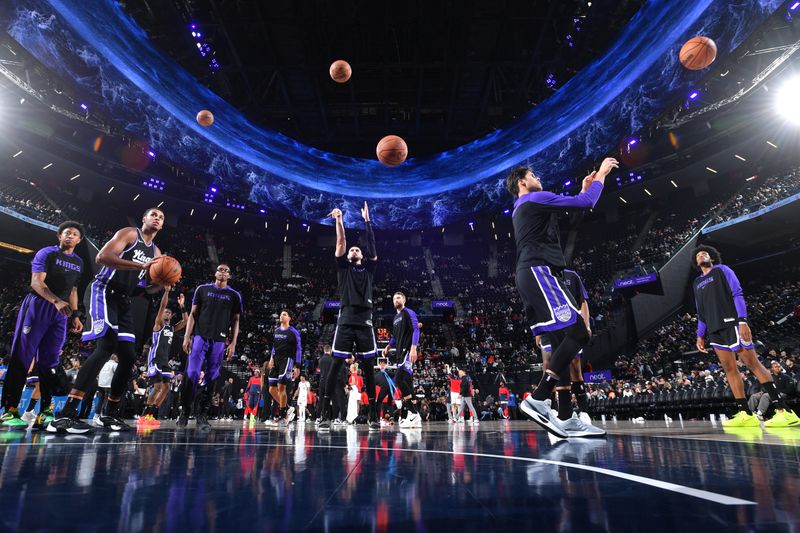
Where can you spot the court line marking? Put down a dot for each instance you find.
(656, 483)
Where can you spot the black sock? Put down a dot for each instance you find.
(579, 390)
(409, 406)
(31, 405)
(564, 404)
(742, 403)
(112, 408)
(774, 395)
(545, 388)
(70, 407)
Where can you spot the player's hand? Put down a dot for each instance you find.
(154, 261)
(365, 212)
(336, 214)
(701, 345)
(181, 299)
(63, 307)
(270, 364)
(608, 164)
(538, 341)
(295, 373)
(187, 344)
(413, 354)
(386, 351)
(745, 333)
(77, 325)
(588, 181)
(230, 350)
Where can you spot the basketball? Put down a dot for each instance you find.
(392, 150)
(166, 272)
(340, 71)
(205, 118)
(698, 53)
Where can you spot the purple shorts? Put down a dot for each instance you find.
(40, 333)
(107, 308)
(205, 355)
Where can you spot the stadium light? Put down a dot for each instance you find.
(18, 153)
(787, 103)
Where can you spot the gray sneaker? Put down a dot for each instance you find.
(541, 413)
(576, 427)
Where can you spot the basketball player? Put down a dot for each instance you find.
(722, 315)
(125, 261)
(42, 323)
(253, 397)
(354, 334)
(216, 309)
(405, 338)
(301, 395)
(573, 382)
(549, 307)
(455, 393)
(158, 358)
(287, 350)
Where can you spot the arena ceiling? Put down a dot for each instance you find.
(463, 83)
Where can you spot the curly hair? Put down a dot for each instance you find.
(716, 258)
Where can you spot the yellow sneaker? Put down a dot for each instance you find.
(783, 419)
(742, 420)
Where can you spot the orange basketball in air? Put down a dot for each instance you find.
(392, 150)
(340, 71)
(205, 118)
(698, 53)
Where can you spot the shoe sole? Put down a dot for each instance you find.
(789, 425)
(70, 431)
(543, 421)
(585, 435)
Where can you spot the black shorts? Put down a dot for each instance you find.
(548, 304)
(354, 340)
(107, 309)
(546, 342)
(281, 371)
(404, 381)
(729, 340)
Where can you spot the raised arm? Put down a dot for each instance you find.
(370, 250)
(159, 323)
(184, 315)
(586, 199)
(341, 242)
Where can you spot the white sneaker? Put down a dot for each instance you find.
(28, 416)
(451, 421)
(475, 422)
(460, 421)
(575, 427)
(585, 418)
(290, 414)
(413, 420)
(96, 421)
(337, 422)
(270, 423)
(384, 423)
(542, 414)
